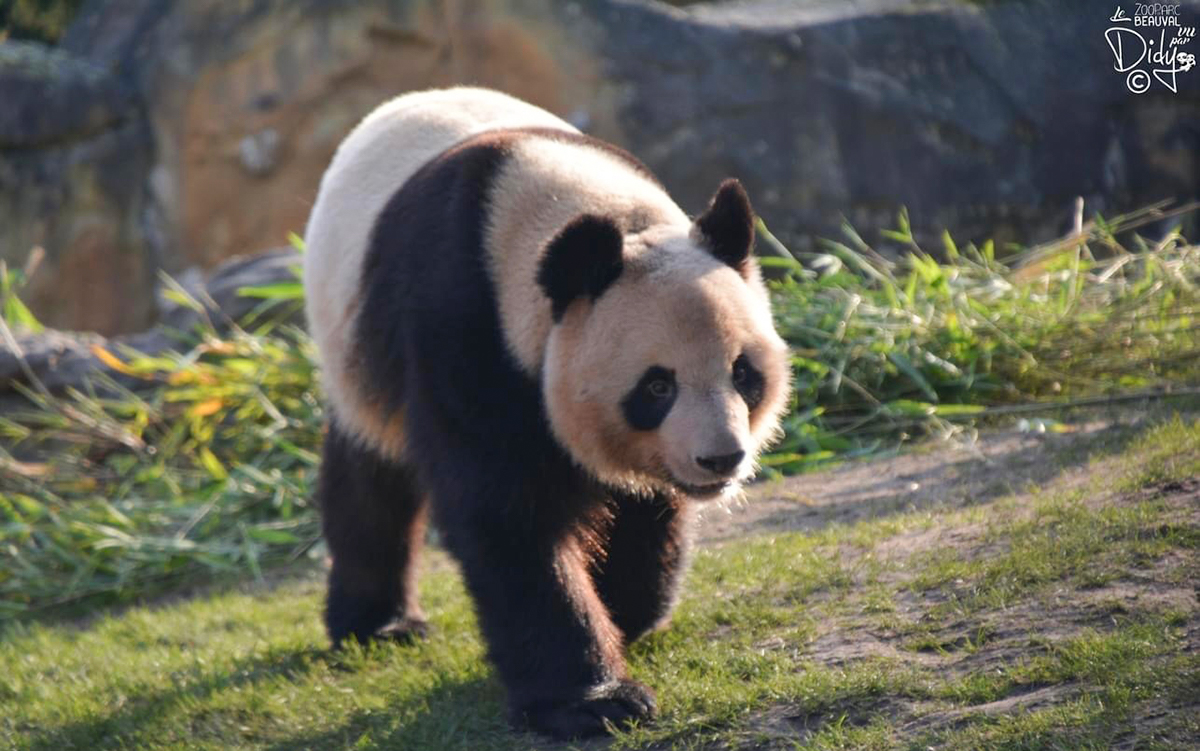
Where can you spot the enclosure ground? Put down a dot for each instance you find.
(1021, 590)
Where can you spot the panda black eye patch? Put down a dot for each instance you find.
(748, 381)
(647, 404)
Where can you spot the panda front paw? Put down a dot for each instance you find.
(598, 713)
(402, 630)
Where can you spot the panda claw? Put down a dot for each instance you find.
(399, 630)
(402, 631)
(602, 712)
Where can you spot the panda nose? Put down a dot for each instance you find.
(721, 465)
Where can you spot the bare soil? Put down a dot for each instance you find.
(953, 475)
(944, 474)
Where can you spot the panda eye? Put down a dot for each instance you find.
(748, 382)
(650, 400)
(660, 388)
(740, 372)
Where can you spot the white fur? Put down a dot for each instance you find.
(677, 306)
(693, 315)
(543, 187)
(374, 161)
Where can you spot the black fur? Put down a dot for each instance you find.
(584, 259)
(526, 524)
(373, 521)
(749, 382)
(728, 226)
(639, 577)
(644, 410)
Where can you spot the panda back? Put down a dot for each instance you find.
(370, 166)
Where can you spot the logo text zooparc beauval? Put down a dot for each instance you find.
(1149, 43)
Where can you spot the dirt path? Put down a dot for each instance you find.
(921, 633)
(944, 474)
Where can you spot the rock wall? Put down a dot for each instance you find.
(182, 133)
(74, 157)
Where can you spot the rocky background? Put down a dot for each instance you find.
(164, 135)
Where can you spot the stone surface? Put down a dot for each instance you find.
(73, 97)
(58, 359)
(984, 118)
(74, 154)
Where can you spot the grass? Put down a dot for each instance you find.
(1063, 538)
(208, 472)
(746, 663)
(109, 493)
(202, 477)
(884, 349)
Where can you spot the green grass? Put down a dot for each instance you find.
(208, 472)
(742, 666)
(109, 494)
(203, 478)
(885, 349)
(1065, 538)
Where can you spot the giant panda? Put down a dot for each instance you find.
(522, 336)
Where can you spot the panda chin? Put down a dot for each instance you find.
(704, 492)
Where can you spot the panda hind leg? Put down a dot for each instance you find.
(646, 556)
(373, 519)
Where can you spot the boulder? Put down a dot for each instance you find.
(987, 119)
(54, 97)
(56, 358)
(74, 157)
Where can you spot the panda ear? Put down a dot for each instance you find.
(583, 259)
(727, 226)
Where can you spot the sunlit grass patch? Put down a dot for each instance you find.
(110, 493)
(1063, 541)
(1169, 453)
(884, 348)
(1068, 535)
(209, 472)
(745, 663)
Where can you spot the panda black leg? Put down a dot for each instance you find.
(373, 518)
(647, 550)
(548, 633)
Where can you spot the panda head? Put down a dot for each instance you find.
(663, 370)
